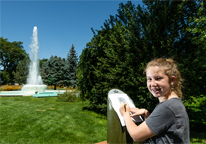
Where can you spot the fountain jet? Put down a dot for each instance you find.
(34, 80)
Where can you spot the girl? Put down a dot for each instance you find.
(169, 122)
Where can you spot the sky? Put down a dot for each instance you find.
(60, 23)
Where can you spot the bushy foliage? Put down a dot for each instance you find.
(68, 96)
(118, 53)
(196, 108)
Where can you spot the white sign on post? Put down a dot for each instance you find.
(116, 97)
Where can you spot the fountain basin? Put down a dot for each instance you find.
(32, 89)
(10, 93)
(45, 94)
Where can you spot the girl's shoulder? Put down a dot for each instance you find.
(175, 105)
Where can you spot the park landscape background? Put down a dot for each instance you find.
(117, 55)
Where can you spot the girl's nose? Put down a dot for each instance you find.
(153, 83)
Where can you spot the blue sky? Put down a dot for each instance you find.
(60, 23)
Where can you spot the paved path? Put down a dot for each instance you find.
(104, 142)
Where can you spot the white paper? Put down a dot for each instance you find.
(116, 99)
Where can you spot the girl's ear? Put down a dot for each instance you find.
(173, 80)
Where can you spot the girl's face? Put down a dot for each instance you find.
(158, 82)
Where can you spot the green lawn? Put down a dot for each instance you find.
(43, 120)
(198, 138)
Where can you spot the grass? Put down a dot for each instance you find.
(43, 120)
(197, 138)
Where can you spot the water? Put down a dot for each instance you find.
(34, 80)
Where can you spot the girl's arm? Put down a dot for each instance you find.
(138, 133)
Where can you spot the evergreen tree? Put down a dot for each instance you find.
(197, 28)
(53, 71)
(85, 69)
(71, 67)
(118, 53)
(41, 61)
(22, 71)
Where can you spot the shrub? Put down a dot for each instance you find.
(58, 87)
(68, 96)
(12, 88)
(196, 110)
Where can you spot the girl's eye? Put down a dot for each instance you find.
(149, 79)
(158, 78)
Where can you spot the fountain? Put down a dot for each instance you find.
(34, 86)
(34, 81)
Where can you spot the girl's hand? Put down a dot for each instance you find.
(124, 109)
(139, 112)
(140, 132)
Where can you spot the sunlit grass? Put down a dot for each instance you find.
(43, 120)
(198, 138)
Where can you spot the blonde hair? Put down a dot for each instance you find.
(170, 68)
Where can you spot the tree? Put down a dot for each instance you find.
(85, 69)
(4, 77)
(197, 28)
(71, 66)
(22, 71)
(118, 53)
(165, 35)
(11, 54)
(41, 62)
(53, 71)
